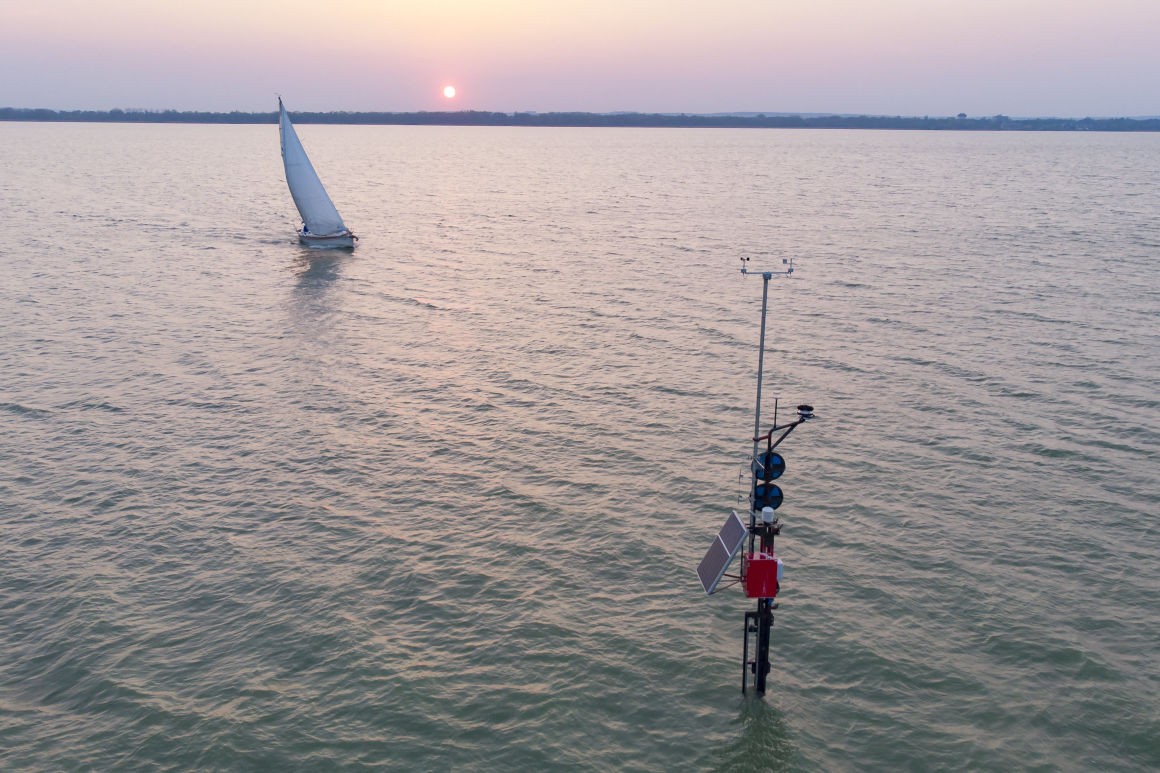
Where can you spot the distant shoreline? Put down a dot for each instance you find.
(656, 120)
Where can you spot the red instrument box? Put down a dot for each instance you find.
(762, 575)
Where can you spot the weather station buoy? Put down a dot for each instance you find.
(761, 570)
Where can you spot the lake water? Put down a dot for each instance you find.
(437, 503)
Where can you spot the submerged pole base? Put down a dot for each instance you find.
(758, 623)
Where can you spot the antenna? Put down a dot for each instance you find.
(761, 571)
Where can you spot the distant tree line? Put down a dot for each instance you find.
(484, 118)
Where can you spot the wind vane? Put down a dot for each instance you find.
(761, 570)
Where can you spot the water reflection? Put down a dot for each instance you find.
(317, 269)
(314, 303)
(763, 742)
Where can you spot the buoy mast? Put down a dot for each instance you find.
(761, 570)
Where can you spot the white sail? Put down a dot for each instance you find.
(316, 208)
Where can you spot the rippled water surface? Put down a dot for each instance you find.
(437, 504)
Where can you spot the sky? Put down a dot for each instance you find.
(1068, 58)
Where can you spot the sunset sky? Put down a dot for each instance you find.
(913, 57)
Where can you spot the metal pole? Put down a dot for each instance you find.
(765, 277)
(765, 606)
(745, 653)
(761, 666)
(764, 620)
(765, 609)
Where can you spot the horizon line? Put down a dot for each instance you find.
(610, 113)
(620, 119)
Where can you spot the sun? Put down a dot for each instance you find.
(449, 92)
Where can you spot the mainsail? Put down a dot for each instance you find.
(316, 208)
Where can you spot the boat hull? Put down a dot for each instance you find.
(345, 239)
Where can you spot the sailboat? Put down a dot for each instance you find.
(322, 226)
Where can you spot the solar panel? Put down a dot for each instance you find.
(721, 552)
